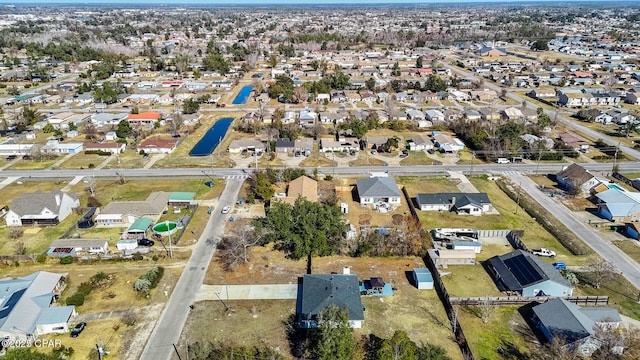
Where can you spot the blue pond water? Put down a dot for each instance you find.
(243, 95)
(212, 138)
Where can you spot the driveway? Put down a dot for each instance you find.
(629, 268)
(248, 292)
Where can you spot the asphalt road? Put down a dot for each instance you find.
(338, 171)
(169, 327)
(629, 268)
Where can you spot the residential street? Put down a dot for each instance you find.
(169, 326)
(629, 268)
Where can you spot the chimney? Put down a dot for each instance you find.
(346, 270)
(57, 199)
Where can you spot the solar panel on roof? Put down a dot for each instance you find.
(11, 302)
(523, 270)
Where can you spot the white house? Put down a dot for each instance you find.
(27, 312)
(375, 190)
(72, 247)
(40, 208)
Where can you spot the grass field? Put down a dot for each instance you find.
(83, 161)
(417, 312)
(33, 164)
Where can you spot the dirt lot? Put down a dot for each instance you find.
(420, 313)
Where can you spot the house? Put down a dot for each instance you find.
(181, 198)
(445, 257)
(512, 113)
(303, 186)
(40, 208)
(576, 142)
(420, 143)
(110, 136)
(304, 145)
(125, 213)
(158, 145)
(492, 51)
(307, 118)
(127, 245)
(112, 147)
(472, 115)
(74, 247)
(522, 273)
(249, 144)
(139, 229)
(146, 118)
(618, 205)
(340, 145)
(461, 203)
(327, 117)
(446, 143)
(576, 177)
(56, 147)
(285, 145)
(542, 93)
(27, 310)
(435, 116)
(422, 278)
(374, 190)
(483, 95)
(576, 325)
(457, 95)
(320, 290)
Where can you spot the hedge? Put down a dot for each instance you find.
(98, 152)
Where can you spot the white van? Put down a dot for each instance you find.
(502, 161)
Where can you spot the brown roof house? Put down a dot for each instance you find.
(158, 145)
(41, 208)
(303, 186)
(576, 177)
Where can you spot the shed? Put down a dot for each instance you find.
(139, 228)
(181, 199)
(423, 279)
(445, 257)
(126, 244)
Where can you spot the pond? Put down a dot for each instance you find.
(243, 95)
(211, 138)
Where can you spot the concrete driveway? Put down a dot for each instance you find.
(248, 292)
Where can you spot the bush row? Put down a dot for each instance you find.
(98, 152)
(85, 288)
(149, 280)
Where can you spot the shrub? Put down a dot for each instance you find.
(66, 260)
(142, 285)
(98, 152)
(15, 232)
(41, 259)
(76, 299)
(91, 166)
(149, 280)
(155, 258)
(137, 256)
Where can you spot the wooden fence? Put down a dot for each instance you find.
(438, 285)
(626, 180)
(523, 300)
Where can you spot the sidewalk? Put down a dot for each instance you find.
(465, 185)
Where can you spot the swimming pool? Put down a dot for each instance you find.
(243, 95)
(614, 186)
(212, 138)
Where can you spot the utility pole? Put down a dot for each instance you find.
(539, 157)
(176, 350)
(518, 196)
(473, 156)
(615, 158)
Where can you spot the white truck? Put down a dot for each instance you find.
(544, 252)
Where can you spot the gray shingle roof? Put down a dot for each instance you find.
(154, 204)
(320, 290)
(378, 187)
(34, 203)
(461, 199)
(571, 321)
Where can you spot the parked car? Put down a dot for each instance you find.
(78, 329)
(431, 151)
(209, 184)
(544, 252)
(226, 209)
(12, 157)
(145, 242)
(559, 265)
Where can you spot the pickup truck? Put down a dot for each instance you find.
(544, 252)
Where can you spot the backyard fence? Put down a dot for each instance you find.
(461, 339)
(523, 300)
(493, 233)
(514, 239)
(626, 180)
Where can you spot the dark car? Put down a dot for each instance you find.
(209, 184)
(12, 157)
(145, 242)
(78, 329)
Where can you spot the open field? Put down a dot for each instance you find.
(128, 159)
(417, 312)
(33, 164)
(83, 161)
(630, 247)
(317, 160)
(366, 161)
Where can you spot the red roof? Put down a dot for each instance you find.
(147, 115)
(425, 71)
(172, 82)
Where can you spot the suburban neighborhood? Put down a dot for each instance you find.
(336, 181)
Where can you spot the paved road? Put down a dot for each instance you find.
(338, 171)
(169, 327)
(630, 269)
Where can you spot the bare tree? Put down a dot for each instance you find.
(601, 271)
(300, 94)
(557, 349)
(20, 248)
(486, 310)
(234, 248)
(90, 131)
(390, 107)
